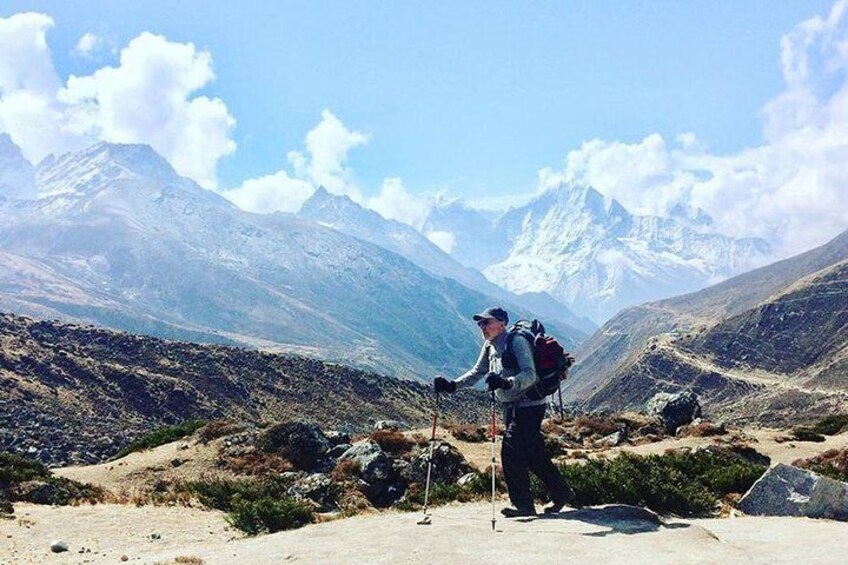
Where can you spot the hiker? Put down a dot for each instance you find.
(509, 374)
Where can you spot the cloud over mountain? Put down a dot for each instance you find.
(790, 190)
(149, 97)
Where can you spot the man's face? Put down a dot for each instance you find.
(491, 327)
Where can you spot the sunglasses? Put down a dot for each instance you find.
(486, 322)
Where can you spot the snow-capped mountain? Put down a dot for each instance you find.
(593, 255)
(17, 175)
(345, 215)
(466, 233)
(117, 238)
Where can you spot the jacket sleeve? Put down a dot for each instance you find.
(526, 376)
(480, 368)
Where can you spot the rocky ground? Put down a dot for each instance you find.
(462, 533)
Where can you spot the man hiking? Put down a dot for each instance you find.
(509, 372)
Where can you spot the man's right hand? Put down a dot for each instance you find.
(441, 384)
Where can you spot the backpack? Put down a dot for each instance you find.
(551, 360)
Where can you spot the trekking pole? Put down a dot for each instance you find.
(561, 410)
(494, 432)
(425, 521)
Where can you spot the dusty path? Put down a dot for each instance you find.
(458, 534)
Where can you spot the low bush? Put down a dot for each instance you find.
(221, 494)
(15, 470)
(679, 483)
(479, 487)
(268, 515)
(218, 428)
(255, 463)
(832, 425)
(392, 441)
(832, 463)
(469, 433)
(587, 426)
(161, 436)
(806, 434)
(345, 470)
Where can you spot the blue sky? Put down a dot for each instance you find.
(472, 99)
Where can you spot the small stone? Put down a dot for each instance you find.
(124, 558)
(176, 462)
(58, 546)
(155, 536)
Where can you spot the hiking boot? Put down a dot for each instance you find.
(557, 503)
(518, 512)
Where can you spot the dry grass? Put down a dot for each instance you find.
(218, 428)
(469, 432)
(392, 441)
(344, 471)
(255, 463)
(704, 429)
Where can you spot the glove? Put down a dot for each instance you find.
(441, 384)
(569, 360)
(495, 381)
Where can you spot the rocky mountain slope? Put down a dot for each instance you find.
(118, 239)
(343, 214)
(74, 394)
(769, 345)
(593, 255)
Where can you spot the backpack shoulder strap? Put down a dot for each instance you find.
(508, 358)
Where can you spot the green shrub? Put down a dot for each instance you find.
(222, 494)
(161, 436)
(806, 434)
(480, 486)
(684, 484)
(832, 425)
(16, 469)
(268, 515)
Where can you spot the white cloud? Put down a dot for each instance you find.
(791, 190)
(397, 203)
(29, 111)
(87, 44)
(148, 98)
(323, 161)
(278, 192)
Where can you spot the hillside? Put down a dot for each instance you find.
(622, 342)
(116, 238)
(73, 394)
(783, 360)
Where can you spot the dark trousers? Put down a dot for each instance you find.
(523, 450)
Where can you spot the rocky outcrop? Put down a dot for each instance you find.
(304, 445)
(448, 464)
(674, 410)
(789, 491)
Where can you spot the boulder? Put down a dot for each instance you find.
(380, 482)
(338, 438)
(784, 490)
(304, 445)
(374, 464)
(338, 450)
(674, 410)
(448, 464)
(394, 425)
(612, 440)
(58, 546)
(317, 488)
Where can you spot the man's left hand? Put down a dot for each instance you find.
(494, 381)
